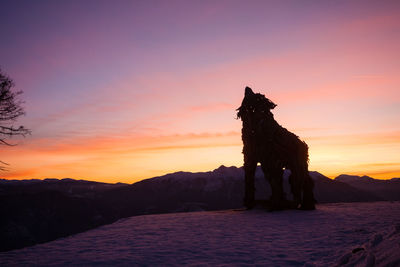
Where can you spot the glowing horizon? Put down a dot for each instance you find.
(119, 92)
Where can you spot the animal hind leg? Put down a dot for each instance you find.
(308, 202)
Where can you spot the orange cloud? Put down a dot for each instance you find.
(378, 138)
(122, 159)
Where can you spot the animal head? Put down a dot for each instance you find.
(254, 104)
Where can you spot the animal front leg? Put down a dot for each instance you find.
(249, 172)
(274, 175)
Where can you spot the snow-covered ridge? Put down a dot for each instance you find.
(224, 179)
(351, 178)
(207, 181)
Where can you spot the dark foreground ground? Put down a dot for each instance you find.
(344, 234)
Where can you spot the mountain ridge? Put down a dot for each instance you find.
(37, 211)
(219, 170)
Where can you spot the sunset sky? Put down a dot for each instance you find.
(119, 91)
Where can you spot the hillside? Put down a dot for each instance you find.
(385, 189)
(218, 189)
(38, 211)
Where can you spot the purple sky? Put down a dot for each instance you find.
(124, 90)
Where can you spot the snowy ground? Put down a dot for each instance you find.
(324, 237)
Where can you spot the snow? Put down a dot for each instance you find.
(324, 237)
(380, 250)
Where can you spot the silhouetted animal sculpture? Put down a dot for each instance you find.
(268, 143)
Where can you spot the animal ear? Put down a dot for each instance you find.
(272, 105)
(248, 91)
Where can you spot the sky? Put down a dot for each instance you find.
(119, 91)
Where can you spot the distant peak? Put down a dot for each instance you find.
(366, 177)
(231, 171)
(352, 178)
(347, 178)
(223, 167)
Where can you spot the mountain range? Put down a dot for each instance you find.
(37, 211)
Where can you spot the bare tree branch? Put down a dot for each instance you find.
(10, 110)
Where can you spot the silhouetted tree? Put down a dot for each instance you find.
(10, 109)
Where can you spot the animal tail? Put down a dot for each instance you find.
(304, 161)
(308, 183)
(303, 155)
